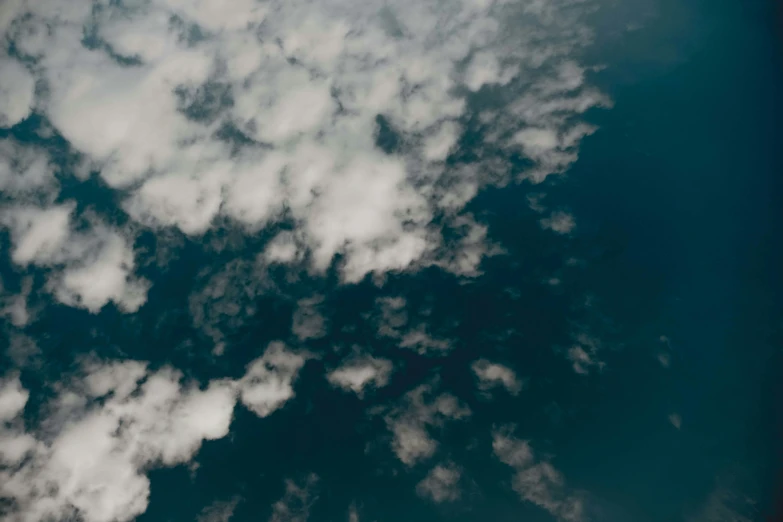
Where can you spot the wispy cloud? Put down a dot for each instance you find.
(410, 422)
(536, 480)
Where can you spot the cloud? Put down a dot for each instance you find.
(420, 411)
(12, 398)
(25, 171)
(199, 114)
(17, 92)
(267, 384)
(295, 504)
(395, 323)
(535, 480)
(560, 222)
(102, 432)
(583, 356)
(218, 511)
(491, 375)
(91, 267)
(39, 234)
(676, 420)
(441, 484)
(359, 372)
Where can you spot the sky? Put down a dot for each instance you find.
(370, 261)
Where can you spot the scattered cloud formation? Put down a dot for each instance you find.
(269, 113)
(536, 480)
(395, 321)
(441, 484)
(92, 268)
(104, 429)
(410, 423)
(492, 375)
(357, 373)
(584, 354)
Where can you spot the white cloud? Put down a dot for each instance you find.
(92, 267)
(535, 480)
(560, 222)
(411, 421)
(105, 430)
(24, 170)
(39, 234)
(267, 385)
(491, 375)
(359, 372)
(103, 276)
(282, 249)
(675, 420)
(17, 92)
(304, 84)
(441, 484)
(12, 398)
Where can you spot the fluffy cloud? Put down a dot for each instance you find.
(264, 113)
(410, 423)
(441, 484)
(359, 372)
(535, 480)
(91, 268)
(17, 92)
(491, 375)
(25, 170)
(104, 430)
(560, 222)
(267, 385)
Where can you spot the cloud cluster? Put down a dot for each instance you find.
(411, 422)
(90, 263)
(395, 322)
(268, 112)
(359, 372)
(89, 455)
(492, 375)
(441, 484)
(536, 480)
